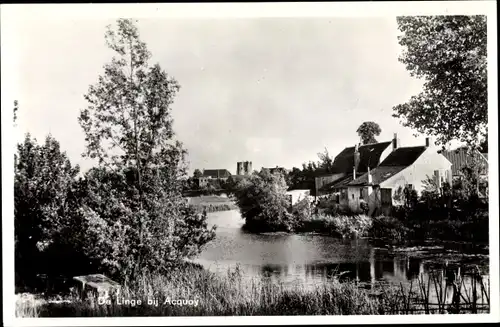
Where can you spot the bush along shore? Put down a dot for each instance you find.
(193, 291)
(215, 207)
(452, 216)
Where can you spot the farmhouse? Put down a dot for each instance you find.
(404, 167)
(351, 163)
(213, 175)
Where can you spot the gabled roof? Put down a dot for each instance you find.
(216, 173)
(369, 155)
(459, 157)
(343, 181)
(379, 175)
(403, 156)
(395, 162)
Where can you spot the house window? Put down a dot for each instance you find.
(353, 196)
(361, 193)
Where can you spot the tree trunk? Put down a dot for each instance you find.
(138, 165)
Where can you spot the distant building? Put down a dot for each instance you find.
(460, 158)
(210, 175)
(244, 168)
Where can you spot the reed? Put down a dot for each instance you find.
(234, 294)
(215, 207)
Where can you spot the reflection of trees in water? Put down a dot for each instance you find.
(371, 270)
(393, 270)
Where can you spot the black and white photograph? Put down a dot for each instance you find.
(249, 163)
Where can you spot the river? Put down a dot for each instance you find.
(307, 259)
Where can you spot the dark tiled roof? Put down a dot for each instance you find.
(321, 172)
(403, 156)
(216, 173)
(379, 174)
(459, 158)
(368, 155)
(341, 182)
(396, 161)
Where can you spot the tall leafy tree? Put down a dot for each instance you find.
(325, 161)
(128, 128)
(263, 202)
(367, 132)
(43, 204)
(449, 53)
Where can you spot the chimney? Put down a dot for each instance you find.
(395, 142)
(428, 142)
(370, 179)
(356, 161)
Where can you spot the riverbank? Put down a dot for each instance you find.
(393, 231)
(212, 203)
(193, 291)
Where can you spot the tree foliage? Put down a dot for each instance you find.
(449, 53)
(367, 132)
(197, 173)
(325, 161)
(263, 202)
(483, 146)
(128, 128)
(44, 201)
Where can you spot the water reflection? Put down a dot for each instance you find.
(306, 259)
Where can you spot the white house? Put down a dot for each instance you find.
(405, 166)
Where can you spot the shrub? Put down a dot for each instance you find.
(388, 228)
(44, 199)
(98, 223)
(339, 226)
(352, 226)
(263, 202)
(125, 236)
(328, 205)
(302, 210)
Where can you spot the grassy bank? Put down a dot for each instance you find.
(212, 203)
(395, 230)
(339, 226)
(215, 295)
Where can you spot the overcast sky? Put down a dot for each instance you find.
(274, 91)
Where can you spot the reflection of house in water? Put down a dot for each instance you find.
(367, 272)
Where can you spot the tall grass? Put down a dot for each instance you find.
(215, 295)
(340, 225)
(215, 207)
